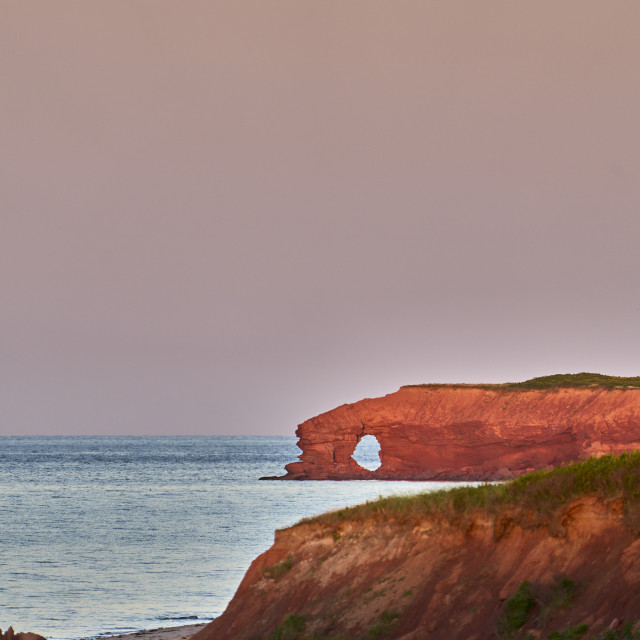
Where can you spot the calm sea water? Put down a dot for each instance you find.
(107, 535)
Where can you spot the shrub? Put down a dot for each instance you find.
(385, 625)
(625, 633)
(516, 611)
(563, 593)
(279, 569)
(290, 629)
(574, 633)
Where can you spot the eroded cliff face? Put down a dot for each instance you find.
(468, 433)
(423, 577)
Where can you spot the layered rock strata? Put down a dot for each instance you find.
(468, 432)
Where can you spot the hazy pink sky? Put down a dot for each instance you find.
(226, 217)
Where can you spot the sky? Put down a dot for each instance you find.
(226, 217)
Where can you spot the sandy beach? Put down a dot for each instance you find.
(165, 633)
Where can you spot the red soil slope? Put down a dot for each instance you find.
(422, 577)
(467, 432)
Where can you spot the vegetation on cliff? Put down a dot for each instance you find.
(555, 381)
(548, 556)
(532, 500)
(531, 604)
(538, 493)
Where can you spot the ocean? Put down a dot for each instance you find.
(107, 535)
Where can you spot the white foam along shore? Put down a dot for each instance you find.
(166, 633)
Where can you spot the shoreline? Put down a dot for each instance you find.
(181, 632)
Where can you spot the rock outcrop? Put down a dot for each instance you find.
(529, 570)
(10, 634)
(466, 432)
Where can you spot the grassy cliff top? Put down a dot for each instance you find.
(556, 381)
(540, 493)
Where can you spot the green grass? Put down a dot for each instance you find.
(539, 493)
(576, 380)
(556, 381)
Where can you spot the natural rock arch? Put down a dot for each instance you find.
(467, 432)
(367, 453)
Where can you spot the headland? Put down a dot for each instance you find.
(474, 431)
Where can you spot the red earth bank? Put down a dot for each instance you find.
(441, 579)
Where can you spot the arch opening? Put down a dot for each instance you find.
(367, 453)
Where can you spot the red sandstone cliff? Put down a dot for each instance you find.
(467, 432)
(412, 578)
